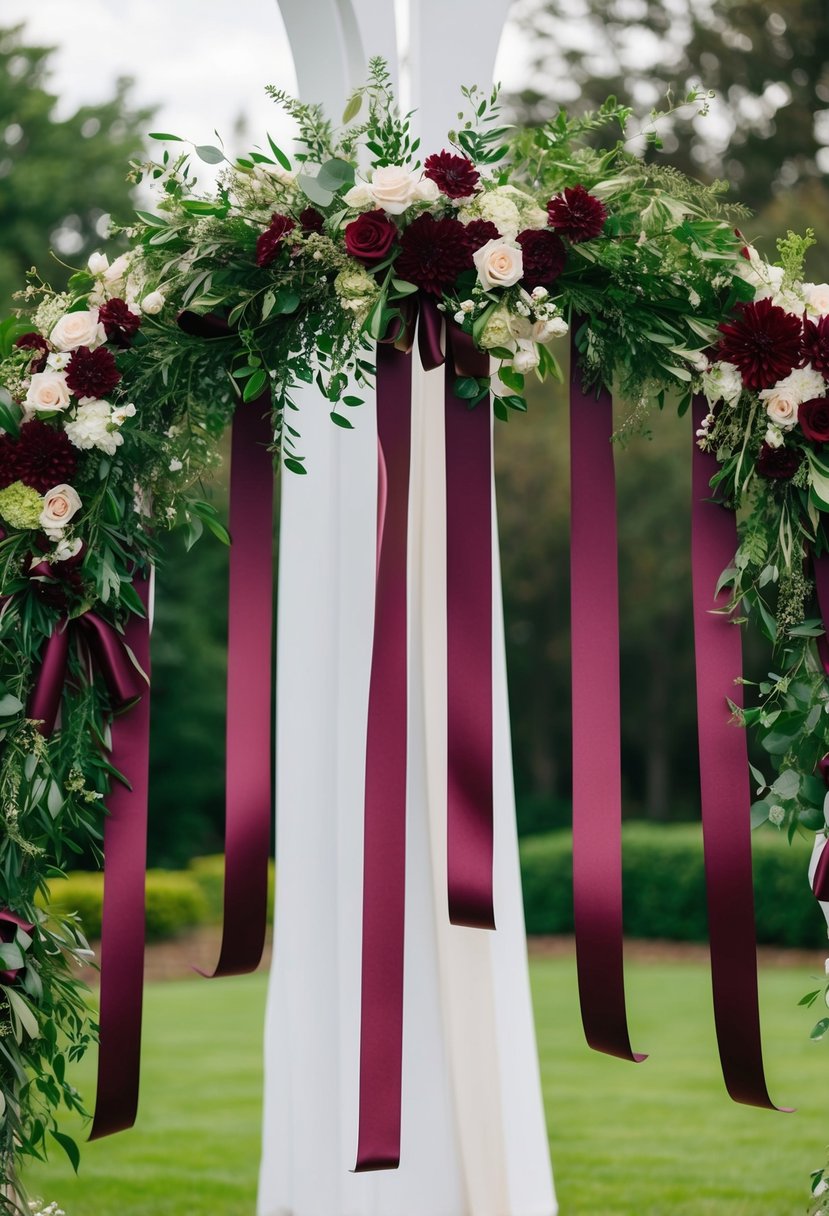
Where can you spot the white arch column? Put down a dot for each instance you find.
(473, 1134)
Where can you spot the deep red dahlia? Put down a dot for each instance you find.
(38, 344)
(311, 220)
(816, 344)
(813, 418)
(544, 257)
(764, 343)
(269, 243)
(577, 214)
(43, 457)
(778, 464)
(120, 323)
(370, 237)
(433, 253)
(8, 461)
(92, 373)
(478, 232)
(455, 176)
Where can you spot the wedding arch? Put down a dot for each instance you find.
(400, 271)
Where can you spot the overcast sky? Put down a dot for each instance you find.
(205, 62)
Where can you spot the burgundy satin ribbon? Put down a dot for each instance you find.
(820, 882)
(384, 849)
(249, 730)
(820, 567)
(597, 782)
(122, 925)
(726, 793)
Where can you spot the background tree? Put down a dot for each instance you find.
(60, 178)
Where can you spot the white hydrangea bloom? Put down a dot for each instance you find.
(93, 427)
(722, 382)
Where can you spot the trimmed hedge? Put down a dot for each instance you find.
(209, 873)
(664, 886)
(175, 902)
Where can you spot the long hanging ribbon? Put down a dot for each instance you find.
(384, 850)
(820, 567)
(597, 792)
(125, 840)
(249, 731)
(726, 793)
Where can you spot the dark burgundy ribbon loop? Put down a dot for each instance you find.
(249, 732)
(820, 882)
(820, 569)
(726, 793)
(44, 704)
(597, 780)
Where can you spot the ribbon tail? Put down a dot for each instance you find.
(248, 786)
(726, 794)
(597, 793)
(122, 930)
(469, 514)
(44, 704)
(384, 850)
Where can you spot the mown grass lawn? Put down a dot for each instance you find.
(657, 1139)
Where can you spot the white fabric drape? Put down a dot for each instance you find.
(474, 1140)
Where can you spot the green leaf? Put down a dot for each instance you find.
(335, 174)
(152, 221)
(280, 155)
(809, 998)
(403, 288)
(69, 1147)
(10, 706)
(819, 1029)
(353, 107)
(467, 388)
(210, 155)
(22, 1012)
(255, 385)
(174, 139)
(11, 956)
(294, 466)
(342, 422)
(312, 189)
(510, 378)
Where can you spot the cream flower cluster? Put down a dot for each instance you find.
(533, 319)
(392, 188)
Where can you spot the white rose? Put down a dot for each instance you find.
(359, 196)
(544, 331)
(98, 263)
(781, 407)
(816, 296)
(803, 384)
(722, 382)
(499, 263)
(115, 276)
(76, 329)
(393, 188)
(496, 331)
(48, 393)
(153, 303)
(520, 327)
(59, 506)
(774, 437)
(92, 427)
(426, 191)
(526, 357)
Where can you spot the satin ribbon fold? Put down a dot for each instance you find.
(597, 769)
(725, 792)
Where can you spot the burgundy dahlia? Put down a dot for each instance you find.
(311, 220)
(778, 464)
(92, 373)
(764, 343)
(433, 253)
(455, 176)
(9, 924)
(816, 344)
(270, 242)
(119, 321)
(370, 237)
(577, 214)
(478, 232)
(40, 348)
(544, 256)
(813, 417)
(43, 457)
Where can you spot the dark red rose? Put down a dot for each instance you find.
(576, 214)
(38, 344)
(455, 176)
(816, 344)
(764, 343)
(42, 456)
(270, 242)
(92, 373)
(434, 253)
(9, 924)
(370, 237)
(311, 220)
(778, 464)
(120, 323)
(813, 417)
(478, 232)
(544, 256)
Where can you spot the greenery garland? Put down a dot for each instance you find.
(111, 418)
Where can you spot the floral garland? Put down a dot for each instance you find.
(110, 416)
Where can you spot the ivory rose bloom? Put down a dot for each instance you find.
(76, 329)
(59, 506)
(781, 407)
(544, 331)
(526, 357)
(499, 264)
(393, 188)
(48, 393)
(153, 303)
(817, 298)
